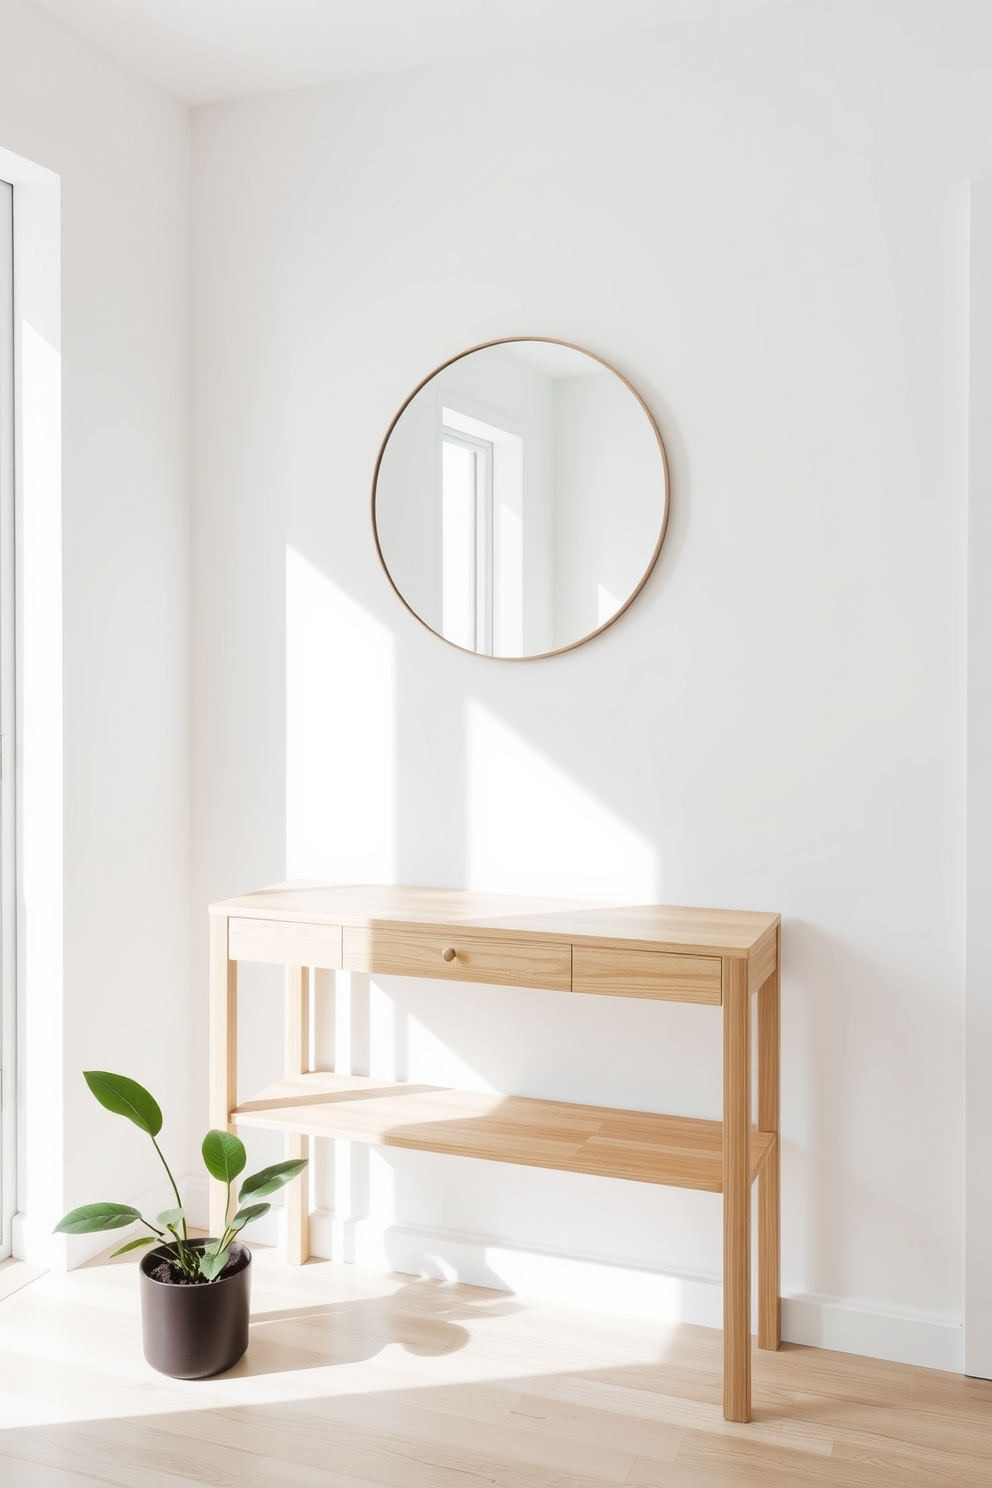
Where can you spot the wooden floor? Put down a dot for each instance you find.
(354, 1379)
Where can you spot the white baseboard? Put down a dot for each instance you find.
(595, 1282)
(66, 1252)
(826, 1322)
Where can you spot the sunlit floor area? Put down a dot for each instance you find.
(355, 1379)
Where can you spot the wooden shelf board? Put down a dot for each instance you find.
(680, 1151)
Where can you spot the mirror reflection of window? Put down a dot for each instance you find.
(481, 570)
(466, 541)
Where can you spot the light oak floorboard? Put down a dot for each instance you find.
(741, 1462)
(15, 1274)
(128, 1454)
(272, 1473)
(912, 1468)
(951, 1392)
(926, 1431)
(358, 1380)
(583, 1423)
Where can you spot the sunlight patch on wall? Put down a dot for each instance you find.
(432, 1062)
(595, 1285)
(533, 829)
(340, 733)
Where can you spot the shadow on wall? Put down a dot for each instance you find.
(842, 1006)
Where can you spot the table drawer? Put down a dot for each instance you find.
(286, 943)
(410, 950)
(628, 973)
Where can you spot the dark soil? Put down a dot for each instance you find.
(167, 1271)
(170, 1272)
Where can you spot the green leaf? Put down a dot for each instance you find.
(212, 1265)
(171, 1217)
(135, 1244)
(126, 1098)
(89, 1218)
(224, 1155)
(269, 1179)
(245, 1216)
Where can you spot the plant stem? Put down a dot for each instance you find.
(187, 1264)
(227, 1211)
(175, 1190)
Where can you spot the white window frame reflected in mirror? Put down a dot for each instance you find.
(467, 541)
(499, 529)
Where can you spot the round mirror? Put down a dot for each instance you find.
(521, 498)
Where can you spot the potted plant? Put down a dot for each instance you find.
(194, 1293)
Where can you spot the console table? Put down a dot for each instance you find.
(714, 957)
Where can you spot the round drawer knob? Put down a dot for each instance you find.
(448, 954)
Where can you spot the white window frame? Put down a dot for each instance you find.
(8, 903)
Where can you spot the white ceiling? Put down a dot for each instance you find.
(206, 50)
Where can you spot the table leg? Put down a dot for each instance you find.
(297, 1063)
(769, 1222)
(736, 1191)
(223, 1051)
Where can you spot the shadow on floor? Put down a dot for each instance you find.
(423, 1318)
(483, 1391)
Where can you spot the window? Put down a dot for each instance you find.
(8, 1187)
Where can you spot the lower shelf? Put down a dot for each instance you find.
(680, 1151)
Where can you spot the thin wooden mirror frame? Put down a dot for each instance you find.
(590, 635)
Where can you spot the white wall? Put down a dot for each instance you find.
(121, 151)
(978, 1087)
(763, 226)
(408, 507)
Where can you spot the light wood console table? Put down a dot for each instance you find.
(714, 957)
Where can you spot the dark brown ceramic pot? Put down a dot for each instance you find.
(192, 1331)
